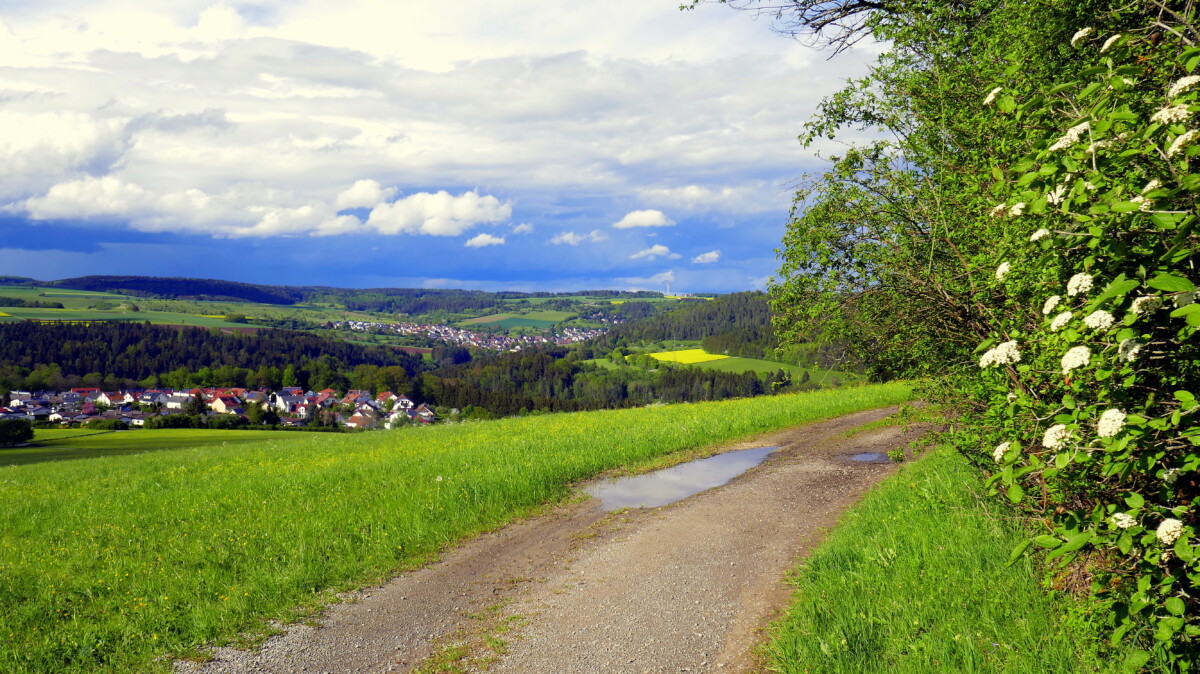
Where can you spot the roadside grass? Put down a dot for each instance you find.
(56, 444)
(915, 579)
(118, 564)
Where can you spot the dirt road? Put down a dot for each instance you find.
(688, 587)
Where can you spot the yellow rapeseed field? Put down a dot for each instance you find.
(687, 356)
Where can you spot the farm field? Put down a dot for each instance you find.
(66, 444)
(71, 299)
(687, 356)
(242, 534)
(507, 321)
(156, 317)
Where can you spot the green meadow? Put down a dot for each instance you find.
(115, 563)
(63, 444)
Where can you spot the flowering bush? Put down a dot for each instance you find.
(1095, 419)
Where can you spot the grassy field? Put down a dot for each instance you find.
(914, 580)
(532, 319)
(63, 444)
(155, 317)
(111, 564)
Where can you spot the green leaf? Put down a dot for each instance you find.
(1119, 287)
(1183, 550)
(1006, 104)
(1047, 542)
(1018, 551)
(1174, 605)
(1125, 543)
(1062, 459)
(1135, 500)
(1171, 283)
(1136, 660)
(1190, 313)
(1016, 493)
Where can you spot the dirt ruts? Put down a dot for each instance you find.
(688, 587)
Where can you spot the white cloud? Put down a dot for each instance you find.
(753, 197)
(707, 258)
(574, 239)
(523, 228)
(655, 251)
(363, 194)
(437, 214)
(659, 279)
(650, 218)
(481, 240)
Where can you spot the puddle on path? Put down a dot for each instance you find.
(870, 457)
(671, 484)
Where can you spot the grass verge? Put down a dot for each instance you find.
(118, 563)
(915, 579)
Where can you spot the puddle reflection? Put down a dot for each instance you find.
(671, 484)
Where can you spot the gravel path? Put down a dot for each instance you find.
(688, 587)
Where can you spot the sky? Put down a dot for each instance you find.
(513, 145)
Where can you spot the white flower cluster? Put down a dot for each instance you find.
(1055, 436)
(1180, 142)
(1182, 84)
(1000, 450)
(1002, 271)
(1055, 197)
(1152, 185)
(1171, 114)
(992, 95)
(1071, 137)
(1075, 357)
(1128, 350)
(1170, 475)
(1169, 531)
(1110, 423)
(1017, 209)
(1060, 321)
(1146, 305)
(1142, 202)
(1001, 354)
(1041, 233)
(1110, 42)
(1079, 284)
(997, 210)
(1123, 521)
(1079, 35)
(1050, 304)
(1099, 320)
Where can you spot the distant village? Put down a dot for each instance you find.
(461, 337)
(230, 407)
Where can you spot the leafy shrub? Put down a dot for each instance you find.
(14, 432)
(1091, 371)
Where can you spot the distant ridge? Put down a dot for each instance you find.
(401, 300)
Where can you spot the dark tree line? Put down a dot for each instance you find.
(29, 304)
(557, 380)
(138, 351)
